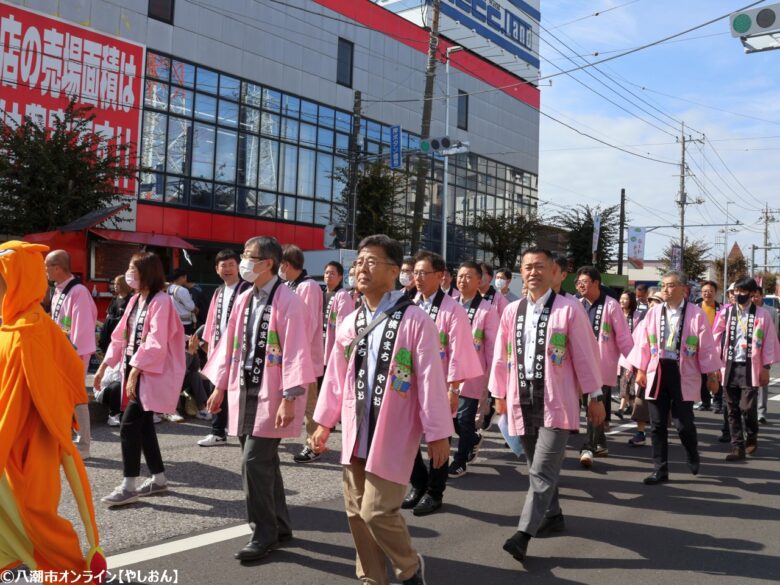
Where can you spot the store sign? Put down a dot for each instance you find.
(45, 62)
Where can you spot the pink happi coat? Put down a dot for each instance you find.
(211, 326)
(614, 340)
(698, 353)
(571, 365)
(77, 317)
(160, 357)
(288, 364)
(484, 329)
(499, 302)
(343, 304)
(766, 350)
(405, 415)
(311, 295)
(456, 350)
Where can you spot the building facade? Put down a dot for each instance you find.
(246, 115)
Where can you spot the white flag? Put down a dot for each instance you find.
(596, 232)
(636, 247)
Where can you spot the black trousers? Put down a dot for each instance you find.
(706, 397)
(137, 435)
(429, 478)
(596, 436)
(669, 398)
(112, 398)
(742, 404)
(220, 420)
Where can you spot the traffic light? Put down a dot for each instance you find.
(755, 22)
(428, 145)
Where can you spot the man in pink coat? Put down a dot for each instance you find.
(263, 362)
(483, 320)
(489, 293)
(338, 304)
(545, 355)
(385, 384)
(746, 336)
(459, 362)
(614, 339)
(222, 302)
(73, 309)
(291, 271)
(676, 349)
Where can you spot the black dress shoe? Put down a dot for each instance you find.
(724, 438)
(656, 477)
(551, 525)
(286, 537)
(254, 551)
(427, 505)
(411, 499)
(694, 467)
(517, 545)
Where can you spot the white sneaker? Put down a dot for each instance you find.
(174, 417)
(120, 497)
(156, 418)
(203, 415)
(114, 420)
(213, 441)
(586, 459)
(149, 488)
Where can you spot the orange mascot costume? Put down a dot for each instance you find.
(41, 380)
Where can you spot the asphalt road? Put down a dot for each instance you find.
(720, 527)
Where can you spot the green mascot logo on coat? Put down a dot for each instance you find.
(273, 350)
(606, 329)
(479, 338)
(691, 345)
(444, 341)
(557, 348)
(401, 379)
(759, 338)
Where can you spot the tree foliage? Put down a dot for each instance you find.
(379, 197)
(695, 262)
(52, 176)
(768, 281)
(738, 268)
(578, 222)
(507, 235)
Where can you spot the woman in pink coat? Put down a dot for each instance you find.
(148, 343)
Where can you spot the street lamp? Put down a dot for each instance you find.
(446, 182)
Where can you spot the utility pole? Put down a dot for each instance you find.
(621, 241)
(354, 161)
(425, 126)
(682, 201)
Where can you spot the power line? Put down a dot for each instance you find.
(593, 14)
(733, 176)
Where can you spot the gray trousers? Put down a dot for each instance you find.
(763, 398)
(545, 456)
(266, 507)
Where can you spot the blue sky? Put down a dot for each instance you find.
(716, 81)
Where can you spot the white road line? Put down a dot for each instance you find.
(775, 397)
(621, 428)
(177, 546)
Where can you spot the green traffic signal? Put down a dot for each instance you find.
(742, 23)
(425, 146)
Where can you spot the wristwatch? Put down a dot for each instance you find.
(599, 398)
(290, 398)
(455, 390)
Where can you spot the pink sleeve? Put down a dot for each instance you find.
(464, 361)
(344, 306)
(639, 357)
(296, 344)
(217, 368)
(585, 357)
(328, 410)
(498, 369)
(153, 351)
(83, 321)
(491, 332)
(622, 333)
(113, 355)
(210, 327)
(770, 350)
(719, 328)
(709, 354)
(435, 414)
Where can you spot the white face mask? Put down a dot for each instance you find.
(131, 280)
(247, 270)
(351, 282)
(282, 274)
(405, 279)
(500, 283)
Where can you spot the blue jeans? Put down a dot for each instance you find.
(466, 427)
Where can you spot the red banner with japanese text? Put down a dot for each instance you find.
(45, 62)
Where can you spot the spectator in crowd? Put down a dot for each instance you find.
(406, 278)
(182, 300)
(627, 378)
(116, 309)
(763, 391)
(711, 307)
(488, 291)
(503, 279)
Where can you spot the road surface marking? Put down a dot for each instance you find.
(621, 428)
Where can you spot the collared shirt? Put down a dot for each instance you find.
(374, 343)
(466, 304)
(533, 312)
(591, 308)
(425, 304)
(669, 334)
(227, 294)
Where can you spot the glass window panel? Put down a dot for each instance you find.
(344, 121)
(309, 112)
(151, 187)
(248, 158)
(305, 212)
(203, 151)
(344, 58)
(179, 137)
(306, 159)
(227, 142)
(224, 197)
(252, 94)
(272, 100)
(286, 208)
(176, 191)
(385, 134)
(291, 106)
(207, 80)
(153, 142)
(269, 164)
(205, 107)
(229, 87)
(269, 124)
(228, 113)
(325, 139)
(342, 142)
(308, 135)
(324, 176)
(340, 171)
(290, 129)
(156, 95)
(321, 213)
(288, 165)
(374, 130)
(183, 74)
(246, 201)
(182, 101)
(250, 119)
(372, 147)
(327, 116)
(414, 142)
(158, 66)
(201, 194)
(266, 205)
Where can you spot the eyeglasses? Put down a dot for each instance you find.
(422, 273)
(370, 262)
(248, 256)
(583, 282)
